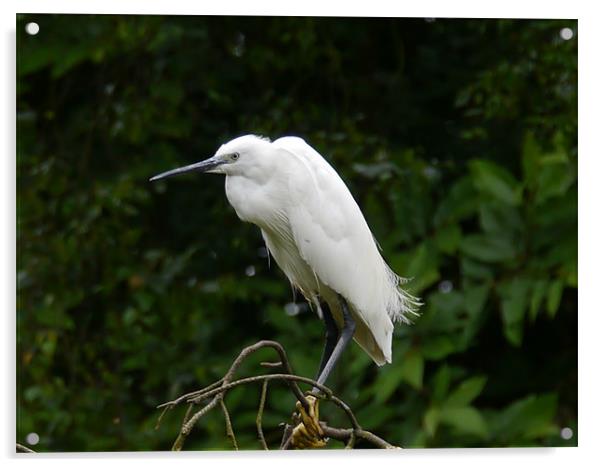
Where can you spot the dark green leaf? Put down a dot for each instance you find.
(466, 392)
(488, 248)
(554, 296)
(412, 369)
(514, 295)
(494, 180)
(448, 238)
(466, 419)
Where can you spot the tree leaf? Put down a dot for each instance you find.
(496, 181)
(473, 269)
(431, 421)
(555, 176)
(526, 418)
(466, 419)
(475, 298)
(539, 289)
(387, 382)
(440, 383)
(448, 238)
(486, 248)
(438, 347)
(466, 392)
(412, 369)
(499, 218)
(421, 264)
(460, 202)
(514, 303)
(554, 297)
(531, 155)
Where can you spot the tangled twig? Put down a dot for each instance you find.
(216, 392)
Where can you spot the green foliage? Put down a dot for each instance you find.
(458, 140)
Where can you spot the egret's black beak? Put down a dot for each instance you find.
(203, 166)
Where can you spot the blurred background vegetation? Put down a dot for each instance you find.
(458, 138)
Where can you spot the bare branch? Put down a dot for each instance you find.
(258, 420)
(21, 448)
(271, 364)
(229, 429)
(184, 397)
(307, 430)
(286, 436)
(351, 435)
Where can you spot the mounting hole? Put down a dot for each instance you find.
(32, 28)
(566, 433)
(566, 34)
(32, 439)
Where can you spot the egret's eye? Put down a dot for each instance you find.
(235, 156)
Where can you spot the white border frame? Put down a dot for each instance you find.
(590, 81)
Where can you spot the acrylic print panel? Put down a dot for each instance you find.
(457, 139)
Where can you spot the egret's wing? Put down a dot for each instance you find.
(335, 240)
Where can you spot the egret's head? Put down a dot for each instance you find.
(243, 155)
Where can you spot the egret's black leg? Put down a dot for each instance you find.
(331, 334)
(344, 338)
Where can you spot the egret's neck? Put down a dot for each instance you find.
(256, 201)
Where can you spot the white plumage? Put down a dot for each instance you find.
(316, 233)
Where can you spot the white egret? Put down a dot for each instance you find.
(317, 234)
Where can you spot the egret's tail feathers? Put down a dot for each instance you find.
(400, 303)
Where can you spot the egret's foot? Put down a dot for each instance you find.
(308, 433)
